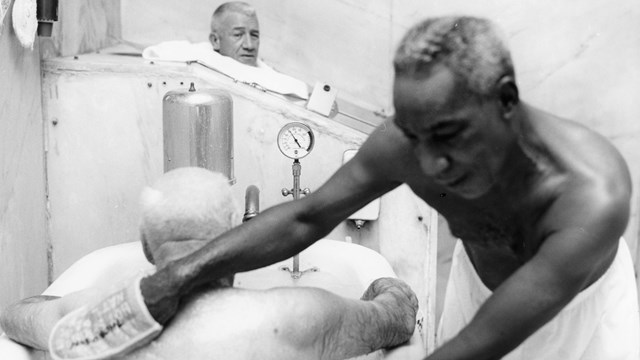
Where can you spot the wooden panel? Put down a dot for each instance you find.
(23, 248)
(106, 144)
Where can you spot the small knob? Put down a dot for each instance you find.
(306, 191)
(286, 192)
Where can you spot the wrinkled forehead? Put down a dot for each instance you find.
(425, 98)
(237, 19)
(425, 93)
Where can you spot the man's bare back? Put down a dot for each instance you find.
(283, 323)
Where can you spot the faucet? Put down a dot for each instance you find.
(251, 203)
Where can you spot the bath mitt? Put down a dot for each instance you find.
(114, 326)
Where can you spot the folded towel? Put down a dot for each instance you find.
(262, 75)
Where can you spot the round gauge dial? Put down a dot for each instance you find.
(295, 140)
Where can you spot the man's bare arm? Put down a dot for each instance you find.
(328, 326)
(31, 320)
(276, 234)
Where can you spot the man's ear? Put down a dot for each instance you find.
(215, 41)
(508, 94)
(146, 250)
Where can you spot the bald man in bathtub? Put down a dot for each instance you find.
(222, 322)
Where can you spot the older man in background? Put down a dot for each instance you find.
(235, 32)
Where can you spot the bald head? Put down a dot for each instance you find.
(235, 32)
(183, 210)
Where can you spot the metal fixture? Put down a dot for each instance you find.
(295, 141)
(251, 203)
(198, 130)
(47, 14)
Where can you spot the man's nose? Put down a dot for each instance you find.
(248, 43)
(431, 162)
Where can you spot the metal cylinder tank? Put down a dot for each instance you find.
(198, 130)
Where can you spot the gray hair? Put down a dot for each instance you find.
(187, 203)
(229, 7)
(472, 48)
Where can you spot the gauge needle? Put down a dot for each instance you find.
(294, 139)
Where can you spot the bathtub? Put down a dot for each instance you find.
(343, 268)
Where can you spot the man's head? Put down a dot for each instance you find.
(183, 210)
(235, 32)
(454, 95)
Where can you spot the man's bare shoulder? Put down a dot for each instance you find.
(593, 188)
(584, 152)
(388, 153)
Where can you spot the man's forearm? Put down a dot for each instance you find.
(260, 242)
(30, 321)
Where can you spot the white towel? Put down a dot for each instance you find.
(601, 322)
(25, 23)
(262, 75)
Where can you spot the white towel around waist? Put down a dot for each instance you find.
(601, 322)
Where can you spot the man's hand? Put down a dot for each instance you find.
(399, 302)
(160, 296)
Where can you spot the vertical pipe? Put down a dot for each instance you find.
(297, 171)
(47, 14)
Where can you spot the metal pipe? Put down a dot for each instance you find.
(251, 203)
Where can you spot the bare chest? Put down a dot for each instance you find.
(499, 236)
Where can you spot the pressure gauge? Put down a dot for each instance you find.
(295, 140)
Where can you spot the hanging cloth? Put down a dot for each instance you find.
(25, 23)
